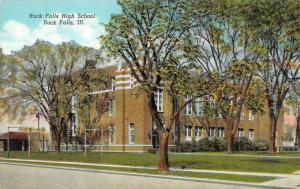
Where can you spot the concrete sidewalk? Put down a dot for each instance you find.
(292, 180)
(29, 176)
(150, 168)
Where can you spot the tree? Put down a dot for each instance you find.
(219, 46)
(148, 36)
(275, 40)
(90, 107)
(46, 82)
(8, 68)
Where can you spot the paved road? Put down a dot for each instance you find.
(21, 176)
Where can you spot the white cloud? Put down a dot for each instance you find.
(14, 35)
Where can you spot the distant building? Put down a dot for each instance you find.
(289, 131)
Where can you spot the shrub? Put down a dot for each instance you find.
(218, 144)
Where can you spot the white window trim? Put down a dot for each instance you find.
(113, 83)
(157, 94)
(188, 138)
(250, 116)
(199, 130)
(252, 131)
(199, 111)
(129, 133)
(241, 132)
(110, 107)
(188, 106)
(111, 136)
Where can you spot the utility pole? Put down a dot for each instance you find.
(38, 117)
(84, 142)
(29, 143)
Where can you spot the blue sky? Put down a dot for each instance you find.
(17, 29)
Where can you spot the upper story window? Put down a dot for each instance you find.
(113, 83)
(188, 107)
(131, 81)
(242, 116)
(211, 102)
(110, 107)
(251, 117)
(251, 134)
(131, 133)
(158, 99)
(198, 107)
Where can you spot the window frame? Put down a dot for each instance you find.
(198, 134)
(111, 135)
(113, 83)
(131, 132)
(188, 109)
(158, 100)
(199, 107)
(250, 116)
(188, 133)
(252, 134)
(110, 108)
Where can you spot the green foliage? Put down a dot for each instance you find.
(219, 145)
(46, 81)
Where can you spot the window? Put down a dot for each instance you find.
(198, 107)
(113, 83)
(131, 132)
(251, 134)
(188, 133)
(158, 99)
(240, 133)
(211, 132)
(73, 101)
(211, 102)
(198, 133)
(131, 81)
(242, 116)
(251, 117)
(110, 107)
(111, 134)
(188, 107)
(220, 132)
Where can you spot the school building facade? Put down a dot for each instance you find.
(131, 128)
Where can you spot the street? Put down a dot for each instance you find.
(21, 176)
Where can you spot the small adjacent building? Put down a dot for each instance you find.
(19, 141)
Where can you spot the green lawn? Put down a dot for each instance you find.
(201, 161)
(228, 177)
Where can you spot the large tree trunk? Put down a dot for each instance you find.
(163, 166)
(230, 141)
(231, 128)
(57, 144)
(272, 136)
